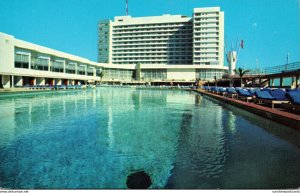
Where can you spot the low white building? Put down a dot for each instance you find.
(23, 63)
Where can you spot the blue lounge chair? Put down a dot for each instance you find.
(279, 94)
(208, 88)
(70, 86)
(231, 92)
(244, 94)
(61, 86)
(267, 97)
(78, 86)
(213, 89)
(264, 95)
(253, 90)
(267, 89)
(222, 91)
(294, 96)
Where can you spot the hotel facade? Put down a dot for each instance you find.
(168, 48)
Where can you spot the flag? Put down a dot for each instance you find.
(242, 43)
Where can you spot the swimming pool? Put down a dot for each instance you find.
(96, 138)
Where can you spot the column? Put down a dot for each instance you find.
(49, 64)
(29, 60)
(64, 66)
(12, 82)
(281, 81)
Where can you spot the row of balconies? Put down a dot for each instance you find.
(146, 26)
(206, 20)
(206, 53)
(207, 46)
(162, 38)
(150, 30)
(153, 29)
(151, 59)
(168, 44)
(187, 62)
(150, 34)
(205, 30)
(206, 24)
(205, 38)
(150, 47)
(206, 42)
(152, 51)
(136, 55)
(179, 41)
(205, 59)
(206, 13)
(206, 27)
(196, 44)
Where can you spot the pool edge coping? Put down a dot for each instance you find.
(285, 118)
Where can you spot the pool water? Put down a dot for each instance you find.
(95, 138)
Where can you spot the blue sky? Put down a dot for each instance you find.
(270, 28)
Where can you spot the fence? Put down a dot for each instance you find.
(276, 69)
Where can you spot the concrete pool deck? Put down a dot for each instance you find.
(285, 118)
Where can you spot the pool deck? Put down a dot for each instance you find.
(285, 118)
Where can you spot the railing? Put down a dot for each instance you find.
(282, 68)
(276, 69)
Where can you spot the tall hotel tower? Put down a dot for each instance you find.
(164, 40)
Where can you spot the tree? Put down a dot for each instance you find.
(241, 73)
(101, 74)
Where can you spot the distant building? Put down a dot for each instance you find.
(164, 40)
(160, 49)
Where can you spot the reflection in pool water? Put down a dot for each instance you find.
(96, 138)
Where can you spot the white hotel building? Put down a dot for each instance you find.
(168, 48)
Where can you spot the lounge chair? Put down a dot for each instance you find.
(265, 96)
(294, 98)
(217, 90)
(279, 94)
(61, 87)
(231, 92)
(70, 86)
(253, 90)
(213, 89)
(222, 91)
(244, 94)
(78, 86)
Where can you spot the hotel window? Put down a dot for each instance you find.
(81, 70)
(21, 60)
(40, 63)
(90, 71)
(70, 68)
(57, 66)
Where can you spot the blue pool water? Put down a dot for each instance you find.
(96, 138)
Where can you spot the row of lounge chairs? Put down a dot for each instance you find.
(289, 98)
(54, 87)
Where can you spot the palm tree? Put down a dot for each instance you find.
(101, 74)
(241, 73)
